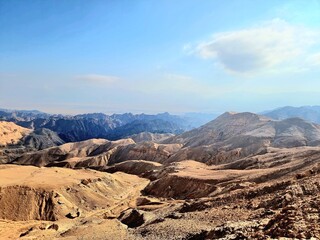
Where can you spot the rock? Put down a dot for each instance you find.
(26, 232)
(175, 215)
(134, 218)
(54, 226)
(73, 215)
(86, 181)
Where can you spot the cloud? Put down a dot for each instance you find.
(96, 78)
(266, 46)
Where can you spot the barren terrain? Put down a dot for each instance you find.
(100, 189)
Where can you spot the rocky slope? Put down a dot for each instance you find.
(97, 153)
(228, 138)
(275, 196)
(56, 202)
(42, 138)
(16, 140)
(11, 133)
(236, 135)
(241, 176)
(271, 195)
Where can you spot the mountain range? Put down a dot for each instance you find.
(239, 176)
(309, 113)
(98, 125)
(229, 137)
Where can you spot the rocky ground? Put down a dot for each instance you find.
(186, 200)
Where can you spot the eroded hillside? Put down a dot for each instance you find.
(241, 176)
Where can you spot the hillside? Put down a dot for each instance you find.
(309, 113)
(229, 137)
(241, 176)
(235, 135)
(16, 140)
(56, 203)
(97, 153)
(11, 133)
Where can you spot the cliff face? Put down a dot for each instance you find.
(51, 194)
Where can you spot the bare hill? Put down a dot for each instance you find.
(241, 176)
(16, 140)
(97, 153)
(10, 133)
(236, 135)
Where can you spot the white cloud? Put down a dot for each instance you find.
(262, 47)
(96, 78)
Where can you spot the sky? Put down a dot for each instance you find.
(152, 56)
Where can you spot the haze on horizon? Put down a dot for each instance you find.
(158, 56)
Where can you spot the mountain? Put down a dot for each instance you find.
(150, 137)
(96, 153)
(240, 176)
(11, 133)
(16, 140)
(14, 136)
(235, 135)
(7, 114)
(138, 126)
(230, 137)
(98, 125)
(42, 138)
(309, 113)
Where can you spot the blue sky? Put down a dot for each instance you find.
(153, 56)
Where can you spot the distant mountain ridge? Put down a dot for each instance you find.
(99, 125)
(309, 113)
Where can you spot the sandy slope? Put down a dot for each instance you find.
(10, 133)
(74, 199)
(96, 153)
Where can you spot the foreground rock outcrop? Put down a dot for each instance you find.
(54, 193)
(67, 197)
